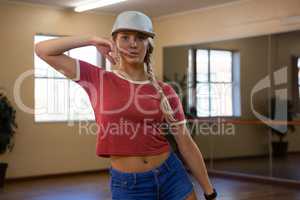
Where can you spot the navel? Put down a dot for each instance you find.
(145, 160)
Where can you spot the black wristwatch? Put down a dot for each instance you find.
(211, 196)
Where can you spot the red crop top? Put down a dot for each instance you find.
(127, 112)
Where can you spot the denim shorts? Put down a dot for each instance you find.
(169, 181)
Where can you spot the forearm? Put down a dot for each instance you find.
(58, 46)
(193, 158)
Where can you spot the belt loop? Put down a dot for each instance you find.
(166, 161)
(134, 177)
(168, 167)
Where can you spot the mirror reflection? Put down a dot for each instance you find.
(242, 100)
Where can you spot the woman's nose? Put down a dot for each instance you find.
(133, 42)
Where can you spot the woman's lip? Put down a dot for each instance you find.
(130, 53)
(133, 53)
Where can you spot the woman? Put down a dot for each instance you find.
(143, 165)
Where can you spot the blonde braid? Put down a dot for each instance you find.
(164, 103)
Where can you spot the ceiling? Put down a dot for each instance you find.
(153, 8)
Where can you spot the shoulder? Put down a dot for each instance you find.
(89, 66)
(166, 87)
(163, 84)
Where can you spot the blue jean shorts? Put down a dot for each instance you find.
(169, 181)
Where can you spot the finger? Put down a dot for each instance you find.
(111, 44)
(124, 51)
(114, 47)
(105, 42)
(111, 59)
(115, 53)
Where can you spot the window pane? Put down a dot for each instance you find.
(108, 65)
(80, 106)
(51, 99)
(220, 66)
(202, 65)
(299, 77)
(190, 80)
(202, 99)
(87, 53)
(221, 99)
(298, 64)
(41, 68)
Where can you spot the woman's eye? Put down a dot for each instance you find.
(125, 37)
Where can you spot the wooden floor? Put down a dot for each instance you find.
(287, 167)
(95, 187)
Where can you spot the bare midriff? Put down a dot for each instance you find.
(131, 164)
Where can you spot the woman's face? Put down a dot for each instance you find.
(132, 46)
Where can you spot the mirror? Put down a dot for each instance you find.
(239, 95)
(286, 138)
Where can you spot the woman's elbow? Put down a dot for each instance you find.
(38, 49)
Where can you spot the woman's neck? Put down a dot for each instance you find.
(135, 72)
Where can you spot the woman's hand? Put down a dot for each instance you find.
(106, 47)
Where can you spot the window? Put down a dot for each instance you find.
(108, 65)
(213, 82)
(58, 98)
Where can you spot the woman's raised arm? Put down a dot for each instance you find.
(52, 51)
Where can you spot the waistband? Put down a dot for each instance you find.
(164, 167)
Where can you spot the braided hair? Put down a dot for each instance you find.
(164, 103)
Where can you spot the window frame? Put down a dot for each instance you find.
(298, 66)
(235, 82)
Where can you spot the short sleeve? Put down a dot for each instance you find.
(175, 103)
(88, 76)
